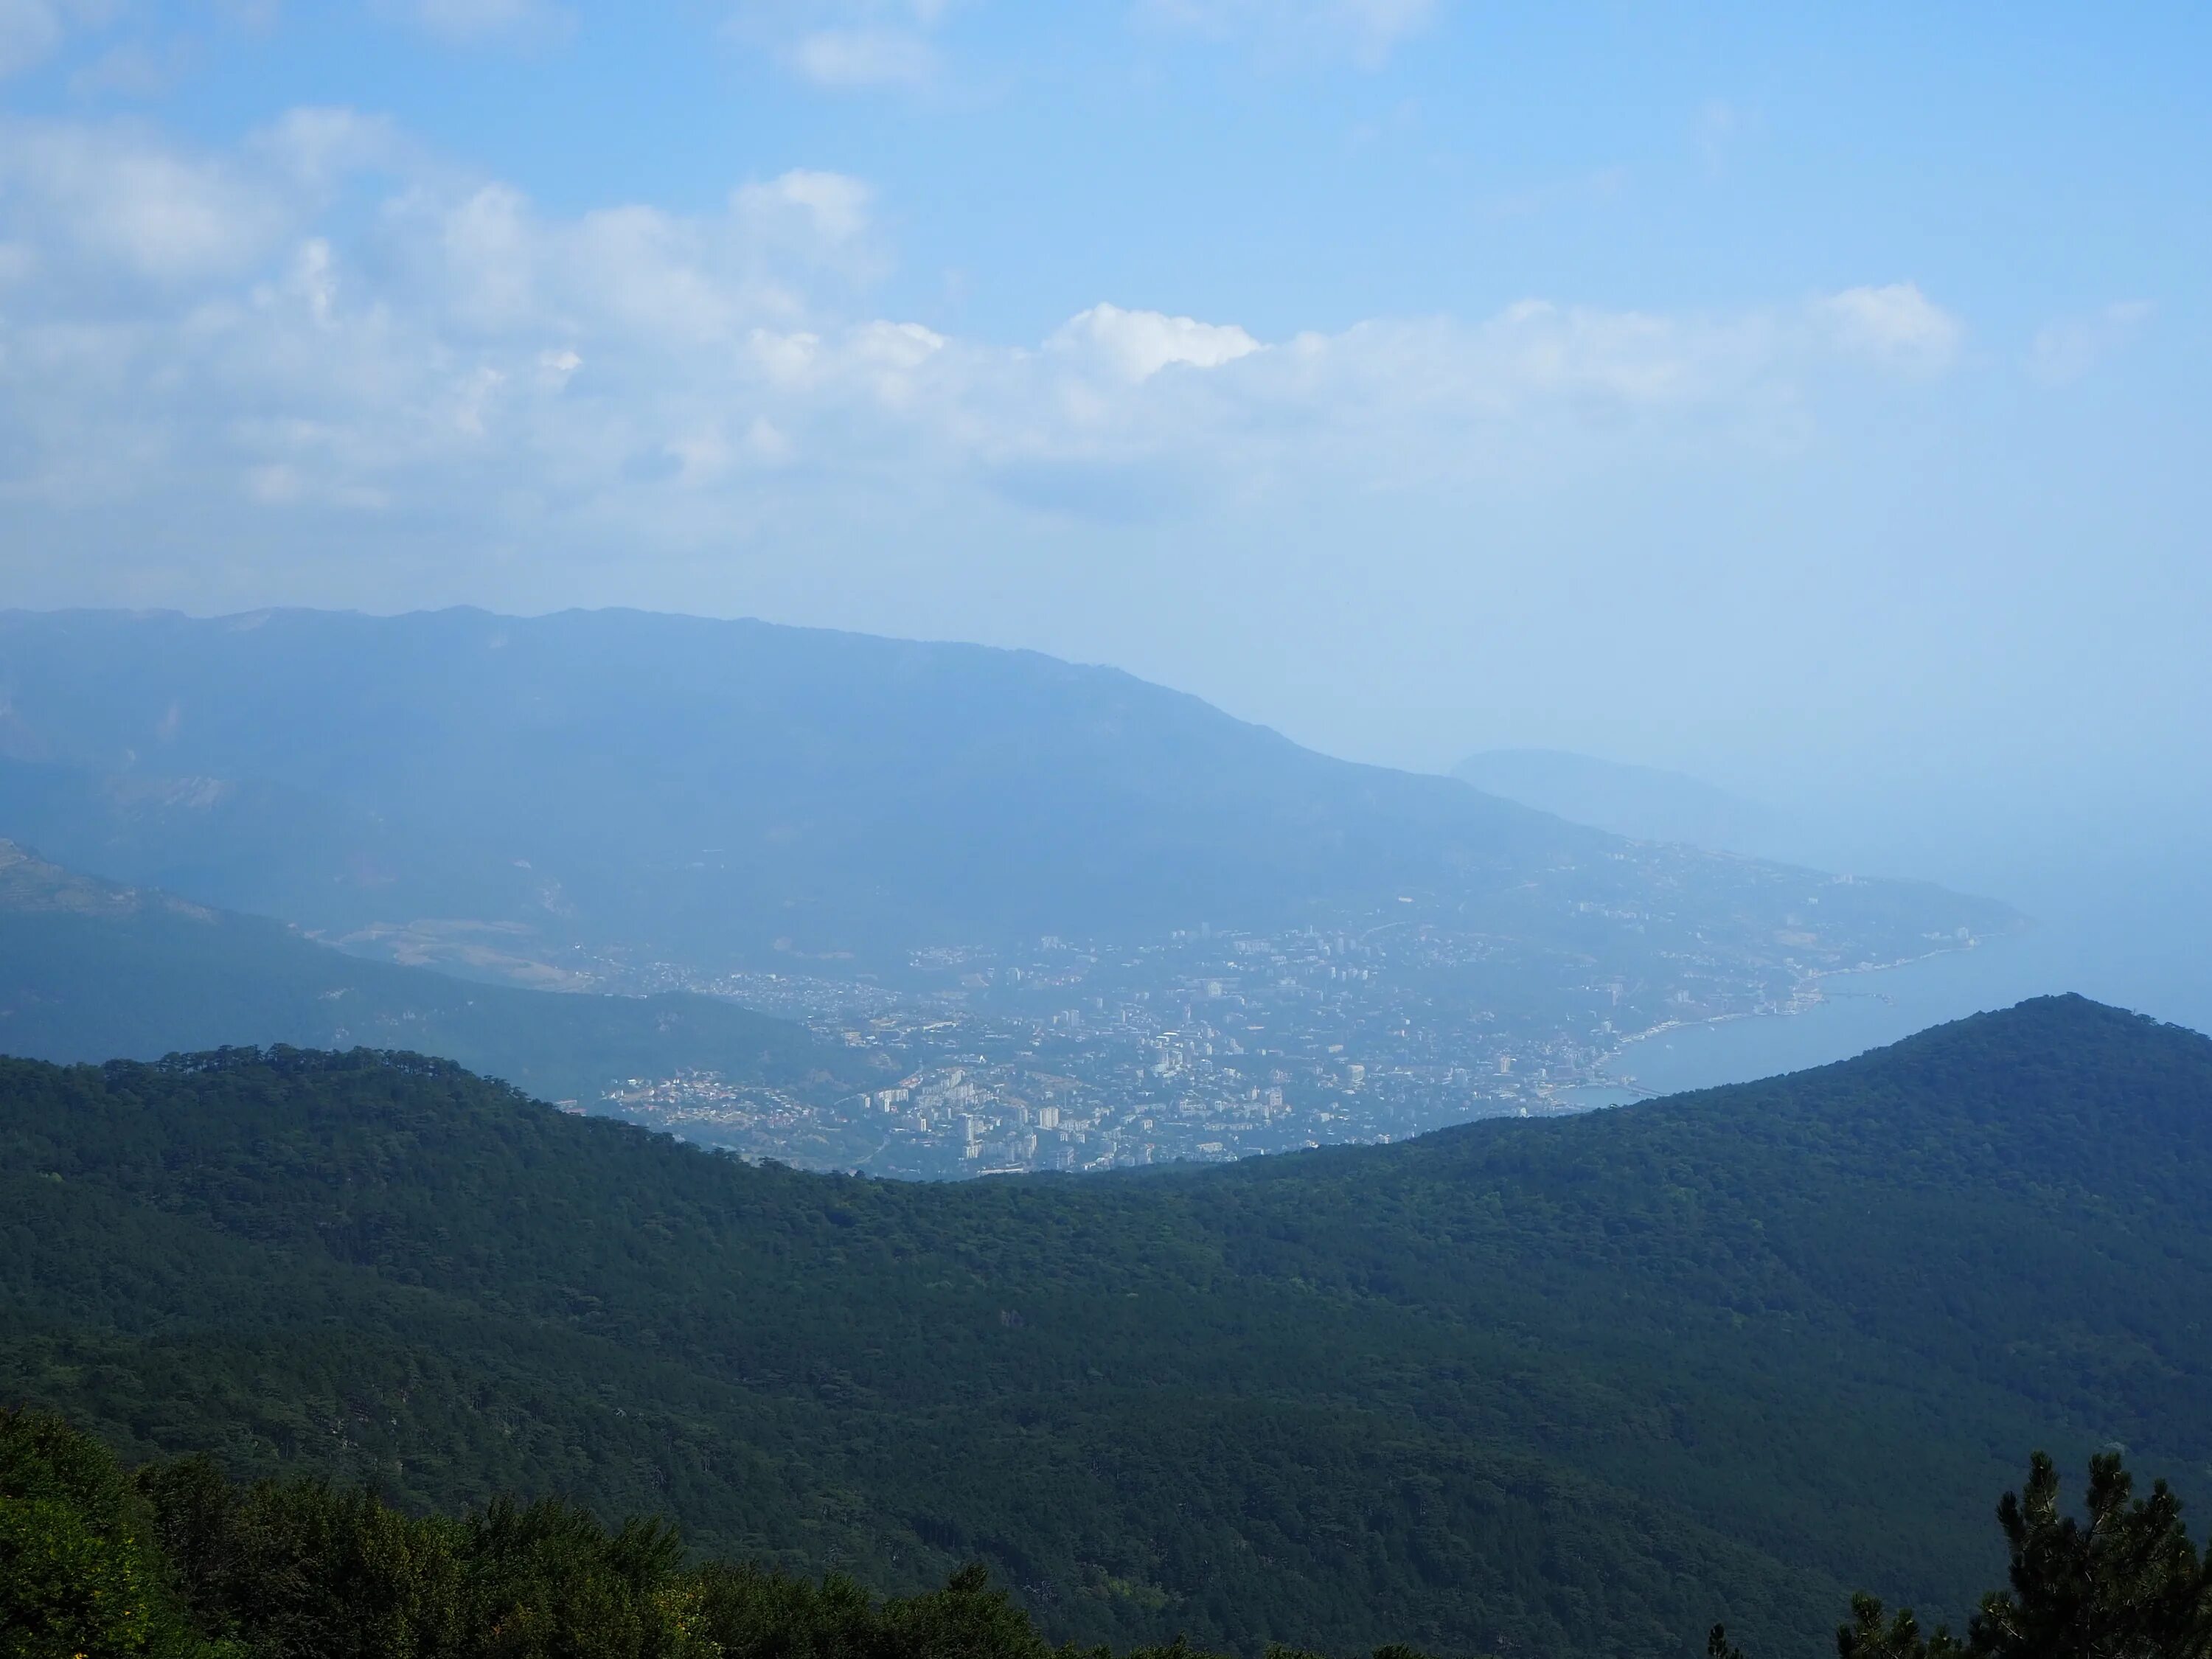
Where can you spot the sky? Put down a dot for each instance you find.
(1809, 397)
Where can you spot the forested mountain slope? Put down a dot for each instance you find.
(1581, 1386)
(734, 792)
(90, 970)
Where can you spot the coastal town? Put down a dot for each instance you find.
(1204, 1047)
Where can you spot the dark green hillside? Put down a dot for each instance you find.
(1581, 1386)
(90, 970)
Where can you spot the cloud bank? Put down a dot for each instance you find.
(325, 324)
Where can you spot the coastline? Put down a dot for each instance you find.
(1907, 1007)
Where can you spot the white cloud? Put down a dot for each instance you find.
(1367, 31)
(556, 368)
(314, 147)
(115, 207)
(2068, 347)
(480, 258)
(1896, 324)
(112, 204)
(832, 207)
(1137, 344)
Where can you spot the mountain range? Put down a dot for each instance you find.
(1578, 1386)
(563, 799)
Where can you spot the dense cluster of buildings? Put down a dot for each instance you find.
(1064, 1056)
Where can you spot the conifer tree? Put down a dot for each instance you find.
(2123, 1583)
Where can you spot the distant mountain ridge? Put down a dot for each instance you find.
(1647, 803)
(91, 969)
(737, 792)
(1576, 1386)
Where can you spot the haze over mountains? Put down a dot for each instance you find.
(1647, 803)
(494, 793)
(2119, 891)
(1577, 1388)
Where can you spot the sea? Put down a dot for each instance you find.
(2147, 966)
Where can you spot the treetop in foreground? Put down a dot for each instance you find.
(2121, 1582)
(176, 1563)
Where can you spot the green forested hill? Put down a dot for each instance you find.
(1578, 1386)
(89, 969)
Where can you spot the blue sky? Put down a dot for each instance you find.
(1813, 397)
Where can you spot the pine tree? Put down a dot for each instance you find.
(2124, 1583)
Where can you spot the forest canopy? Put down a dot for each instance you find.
(174, 1560)
(1569, 1386)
